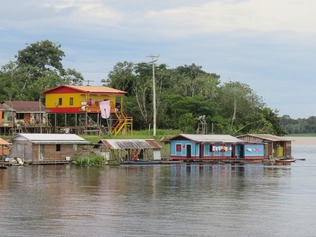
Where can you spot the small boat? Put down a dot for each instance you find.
(284, 160)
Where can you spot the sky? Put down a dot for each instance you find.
(266, 44)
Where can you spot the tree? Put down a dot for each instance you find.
(41, 57)
(186, 92)
(193, 81)
(37, 68)
(122, 77)
(239, 103)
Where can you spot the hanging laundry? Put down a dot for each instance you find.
(105, 109)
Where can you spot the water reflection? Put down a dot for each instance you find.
(172, 200)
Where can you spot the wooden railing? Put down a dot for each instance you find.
(123, 124)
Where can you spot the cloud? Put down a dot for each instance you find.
(243, 16)
(85, 12)
(267, 44)
(161, 19)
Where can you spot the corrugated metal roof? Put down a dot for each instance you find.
(130, 144)
(207, 138)
(267, 137)
(89, 89)
(46, 138)
(62, 142)
(25, 106)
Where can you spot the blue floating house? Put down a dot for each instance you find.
(197, 147)
(274, 146)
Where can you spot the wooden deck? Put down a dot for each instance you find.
(56, 162)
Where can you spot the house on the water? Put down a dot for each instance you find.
(130, 149)
(4, 148)
(41, 148)
(88, 109)
(22, 116)
(198, 147)
(275, 146)
(6, 120)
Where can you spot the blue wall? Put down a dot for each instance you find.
(195, 149)
(254, 150)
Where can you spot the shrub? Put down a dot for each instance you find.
(93, 160)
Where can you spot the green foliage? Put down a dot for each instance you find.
(183, 93)
(187, 92)
(38, 67)
(93, 160)
(40, 57)
(298, 126)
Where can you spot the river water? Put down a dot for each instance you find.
(162, 200)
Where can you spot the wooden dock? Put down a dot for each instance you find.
(57, 162)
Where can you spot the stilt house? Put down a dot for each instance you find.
(88, 109)
(22, 116)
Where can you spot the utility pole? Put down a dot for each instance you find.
(88, 82)
(154, 59)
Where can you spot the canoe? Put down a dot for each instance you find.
(284, 161)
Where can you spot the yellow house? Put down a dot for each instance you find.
(86, 100)
(79, 99)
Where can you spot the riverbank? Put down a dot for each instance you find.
(303, 140)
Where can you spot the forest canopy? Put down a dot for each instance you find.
(183, 94)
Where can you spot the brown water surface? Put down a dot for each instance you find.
(162, 200)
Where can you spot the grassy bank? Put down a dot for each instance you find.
(143, 134)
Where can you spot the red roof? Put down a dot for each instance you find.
(86, 89)
(25, 106)
(4, 142)
(2, 107)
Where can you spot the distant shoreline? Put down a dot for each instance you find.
(303, 140)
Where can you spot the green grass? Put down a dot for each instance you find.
(143, 134)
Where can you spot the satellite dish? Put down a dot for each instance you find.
(83, 107)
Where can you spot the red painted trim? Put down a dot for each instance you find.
(254, 158)
(92, 109)
(66, 110)
(206, 158)
(65, 90)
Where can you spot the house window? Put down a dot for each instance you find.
(71, 101)
(58, 147)
(211, 148)
(178, 147)
(19, 116)
(60, 101)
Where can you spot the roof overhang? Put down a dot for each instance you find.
(62, 142)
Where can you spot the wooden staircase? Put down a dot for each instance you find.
(123, 124)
